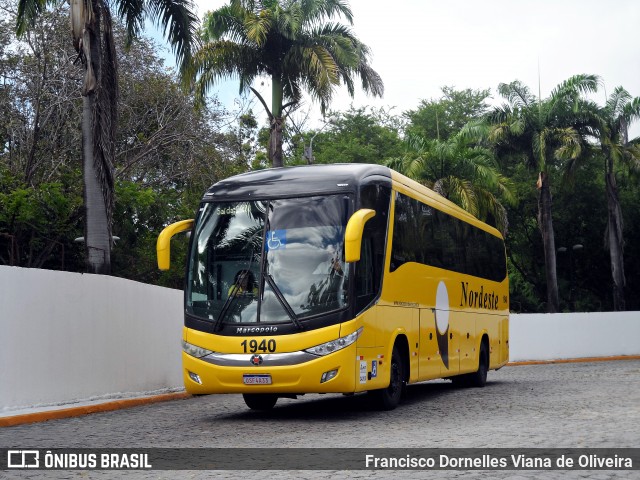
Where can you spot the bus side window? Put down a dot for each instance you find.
(365, 273)
(368, 276)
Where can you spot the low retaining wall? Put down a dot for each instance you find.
(573, 335)
(66, 337)
(69, 336)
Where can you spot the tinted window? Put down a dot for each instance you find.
(369, 268)
(425, 235)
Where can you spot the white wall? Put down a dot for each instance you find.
(573, 335)
(66, 337)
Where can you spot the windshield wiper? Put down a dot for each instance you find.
(223, 312)
(283, 301)
(230, 299)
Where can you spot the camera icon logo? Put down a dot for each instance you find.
(23, 459)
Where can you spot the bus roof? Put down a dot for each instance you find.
(295, 181)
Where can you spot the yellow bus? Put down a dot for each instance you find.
(337, 278)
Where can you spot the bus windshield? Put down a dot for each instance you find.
(270, 261)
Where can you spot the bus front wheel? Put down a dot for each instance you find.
(260, 401)
(389, 398)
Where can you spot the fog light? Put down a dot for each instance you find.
(195, 377)
(326, 376)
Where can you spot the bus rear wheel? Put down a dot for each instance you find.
(478, 378)
(260, 401)
(389, 398)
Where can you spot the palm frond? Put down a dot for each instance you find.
(132, 14)
(516, 93)
(617, 101)
(576, 85)
(227, 23)
(289, 21)
(476, 130)
(257, 27)
(336, 38)
(499, 114)
(222, 60)
(632, 158)
(370, 79)
(319, 63)
(567, 95)
(459, 191)
(490, 206)
(316, 11)
(539, 148)
(179, 22)
(28, 11)
(631, 111)
(570, 143)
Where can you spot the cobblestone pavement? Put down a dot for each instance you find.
(591, 405)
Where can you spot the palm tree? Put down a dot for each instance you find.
(294, 44)
(612, 123)
(460, 171)
(92, 35)
(543, 131)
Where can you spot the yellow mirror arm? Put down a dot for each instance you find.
(163, 246)
(353, 234)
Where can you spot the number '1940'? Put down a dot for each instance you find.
(253, 346)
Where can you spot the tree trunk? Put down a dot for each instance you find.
(97, 233)
(277, 122)
(275, 142)
(99, 97)
(545, 224)
(614, 238)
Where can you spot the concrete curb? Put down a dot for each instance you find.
(135, 402)
(88, 409)
(574, 360)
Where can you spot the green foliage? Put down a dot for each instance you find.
(141, 214)
(444, 117)
(629, 200)
(38, 224)
(359, 135)
(579, 219)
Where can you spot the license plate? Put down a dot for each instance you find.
(262, 379)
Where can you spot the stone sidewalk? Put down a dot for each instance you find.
(570, 405)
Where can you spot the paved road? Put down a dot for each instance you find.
(593, 405)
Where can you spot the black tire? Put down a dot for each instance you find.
(260, 401)
(389, 398)
(461, 381)
(478, 379)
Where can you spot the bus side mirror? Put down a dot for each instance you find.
(163, 245)
(353, 234)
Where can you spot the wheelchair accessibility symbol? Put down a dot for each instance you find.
(276, 239)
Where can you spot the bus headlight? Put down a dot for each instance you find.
(194, 350)
(335, 345)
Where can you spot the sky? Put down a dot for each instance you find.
(419, 46)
